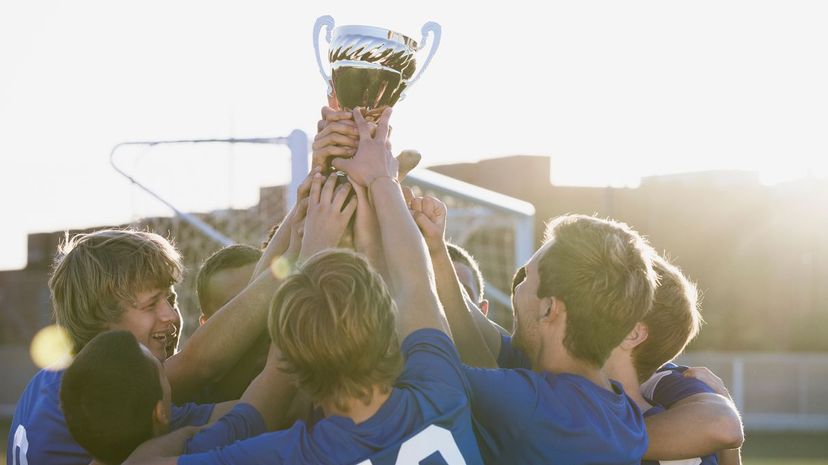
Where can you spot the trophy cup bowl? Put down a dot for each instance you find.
(371, 67)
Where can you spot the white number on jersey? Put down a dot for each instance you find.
(21, 446)
(425, 443)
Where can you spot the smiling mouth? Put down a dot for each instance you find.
(166, 337)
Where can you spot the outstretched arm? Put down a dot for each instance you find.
(409, 267)
(218, 344)
(430, 215)
(272, 393)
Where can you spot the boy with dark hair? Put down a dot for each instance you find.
(115, 395)
(112, 397)
(222, 276)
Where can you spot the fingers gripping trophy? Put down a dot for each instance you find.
(371, 68)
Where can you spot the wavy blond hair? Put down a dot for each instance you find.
(334, 321)
(95, 275)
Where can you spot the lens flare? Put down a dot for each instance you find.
(51, 348)
(280, 268)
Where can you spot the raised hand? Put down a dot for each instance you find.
(337, 136)
(709, 378)
(430, 215)
(329, 212)
(373, 157)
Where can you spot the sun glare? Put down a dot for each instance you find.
(51, 348)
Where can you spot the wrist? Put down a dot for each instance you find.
(379, 183)
(436, 246)
(382, 179)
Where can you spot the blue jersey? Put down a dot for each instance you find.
(243, 421)
(425, 420)
(528, 417)
(667, 386)
(39, 434)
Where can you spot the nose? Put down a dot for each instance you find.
(168, 313)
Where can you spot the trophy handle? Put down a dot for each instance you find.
(328, 23)
(436, 30)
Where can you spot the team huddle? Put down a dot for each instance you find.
(376, 347)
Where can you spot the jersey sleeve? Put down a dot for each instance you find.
(190, 415)
(503, 402)
(510, 356)
(669, 385)
(430, 357)
(265, 449)
(242, 422)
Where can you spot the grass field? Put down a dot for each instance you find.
(759, 449)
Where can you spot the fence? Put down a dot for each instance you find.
(774, 391)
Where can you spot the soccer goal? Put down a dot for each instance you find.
(208, 193)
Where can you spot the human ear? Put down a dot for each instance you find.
(635, 337)
(160, 419)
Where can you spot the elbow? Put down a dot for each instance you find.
(729, 433)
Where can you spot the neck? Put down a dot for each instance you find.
(357, 409)
(559, 361)
(620, 368)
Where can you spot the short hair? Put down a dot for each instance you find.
(96, 274)
(672, 323)
(459, 254)
(334, 321)
(602, 271)
(108, 395)
(232, 256)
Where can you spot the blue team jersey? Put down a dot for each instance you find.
(528, 417)
(426, 420)
(243, 421)
(39, 434)
(667, 386)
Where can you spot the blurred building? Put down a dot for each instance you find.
(759, 253)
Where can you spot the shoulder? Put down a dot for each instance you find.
(429, 340)
(39, 426)
(430, 356)
(668, 385)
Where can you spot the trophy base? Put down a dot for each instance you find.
(360, 84)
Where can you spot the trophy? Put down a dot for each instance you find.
(371, 67)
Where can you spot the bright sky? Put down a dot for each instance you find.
(611, 90)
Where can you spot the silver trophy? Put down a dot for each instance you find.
(371, 67)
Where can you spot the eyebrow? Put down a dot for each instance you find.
(151, 299)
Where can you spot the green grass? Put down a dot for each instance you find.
(783, 461)
(778, 449)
